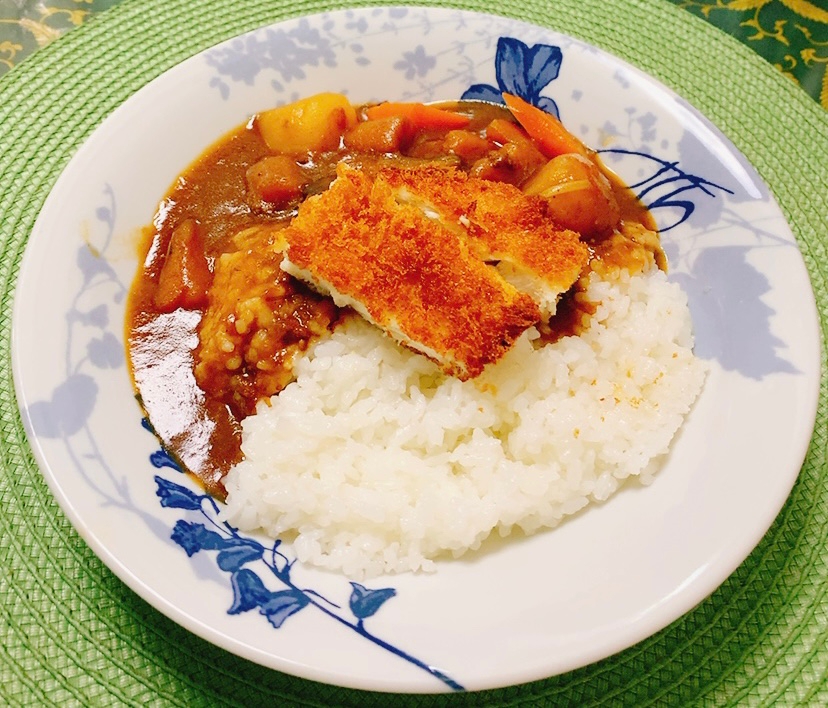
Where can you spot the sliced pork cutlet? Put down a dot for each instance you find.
(406, 273)
(504, 226)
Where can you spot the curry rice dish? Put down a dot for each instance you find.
(385, 332)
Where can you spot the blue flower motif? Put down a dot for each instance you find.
(68, 409)
(236, 552)
(285, 53)
(523, 71)
(249, 592)
(195, 537)
(105, 352)
(416, 63)
(161, 458)
(174, 496)
(365, 602)
(282, 605)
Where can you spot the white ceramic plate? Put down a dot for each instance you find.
(525, 609)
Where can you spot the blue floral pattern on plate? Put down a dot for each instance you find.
(236, 551)
(522, 71)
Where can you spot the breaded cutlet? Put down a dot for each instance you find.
(504, 226)
(406, 273)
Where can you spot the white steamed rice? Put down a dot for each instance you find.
(372, 461)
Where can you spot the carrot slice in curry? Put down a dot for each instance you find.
(544, 128)
(185, 276)
(421, 116)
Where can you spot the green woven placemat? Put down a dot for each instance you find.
(72, 634)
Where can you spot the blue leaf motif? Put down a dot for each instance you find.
(282, 605)
(361, 25)
(174, 496)
(647, 124)
(512, 67)
(482, 92)
(670, 187)
(416, 63)
(96, 317)
(195, 537)
(162, 458)
(547, 104)
(105, 352)
(237, 552)
(365, 602)
(91, 264)
(542, 64)
(697, 159)
(249, 592)
(739, 337)
(104, 214)
(224, 89)
(43, 422)
(68, 410)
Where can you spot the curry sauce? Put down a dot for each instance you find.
(214, 324)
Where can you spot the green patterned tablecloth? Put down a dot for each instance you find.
(27, 26)
(72, 634)
(791, 34)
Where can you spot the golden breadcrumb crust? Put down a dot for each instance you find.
(503, 223)
(412, 276)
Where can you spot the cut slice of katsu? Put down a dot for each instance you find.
(406, 273)
(504, 226)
